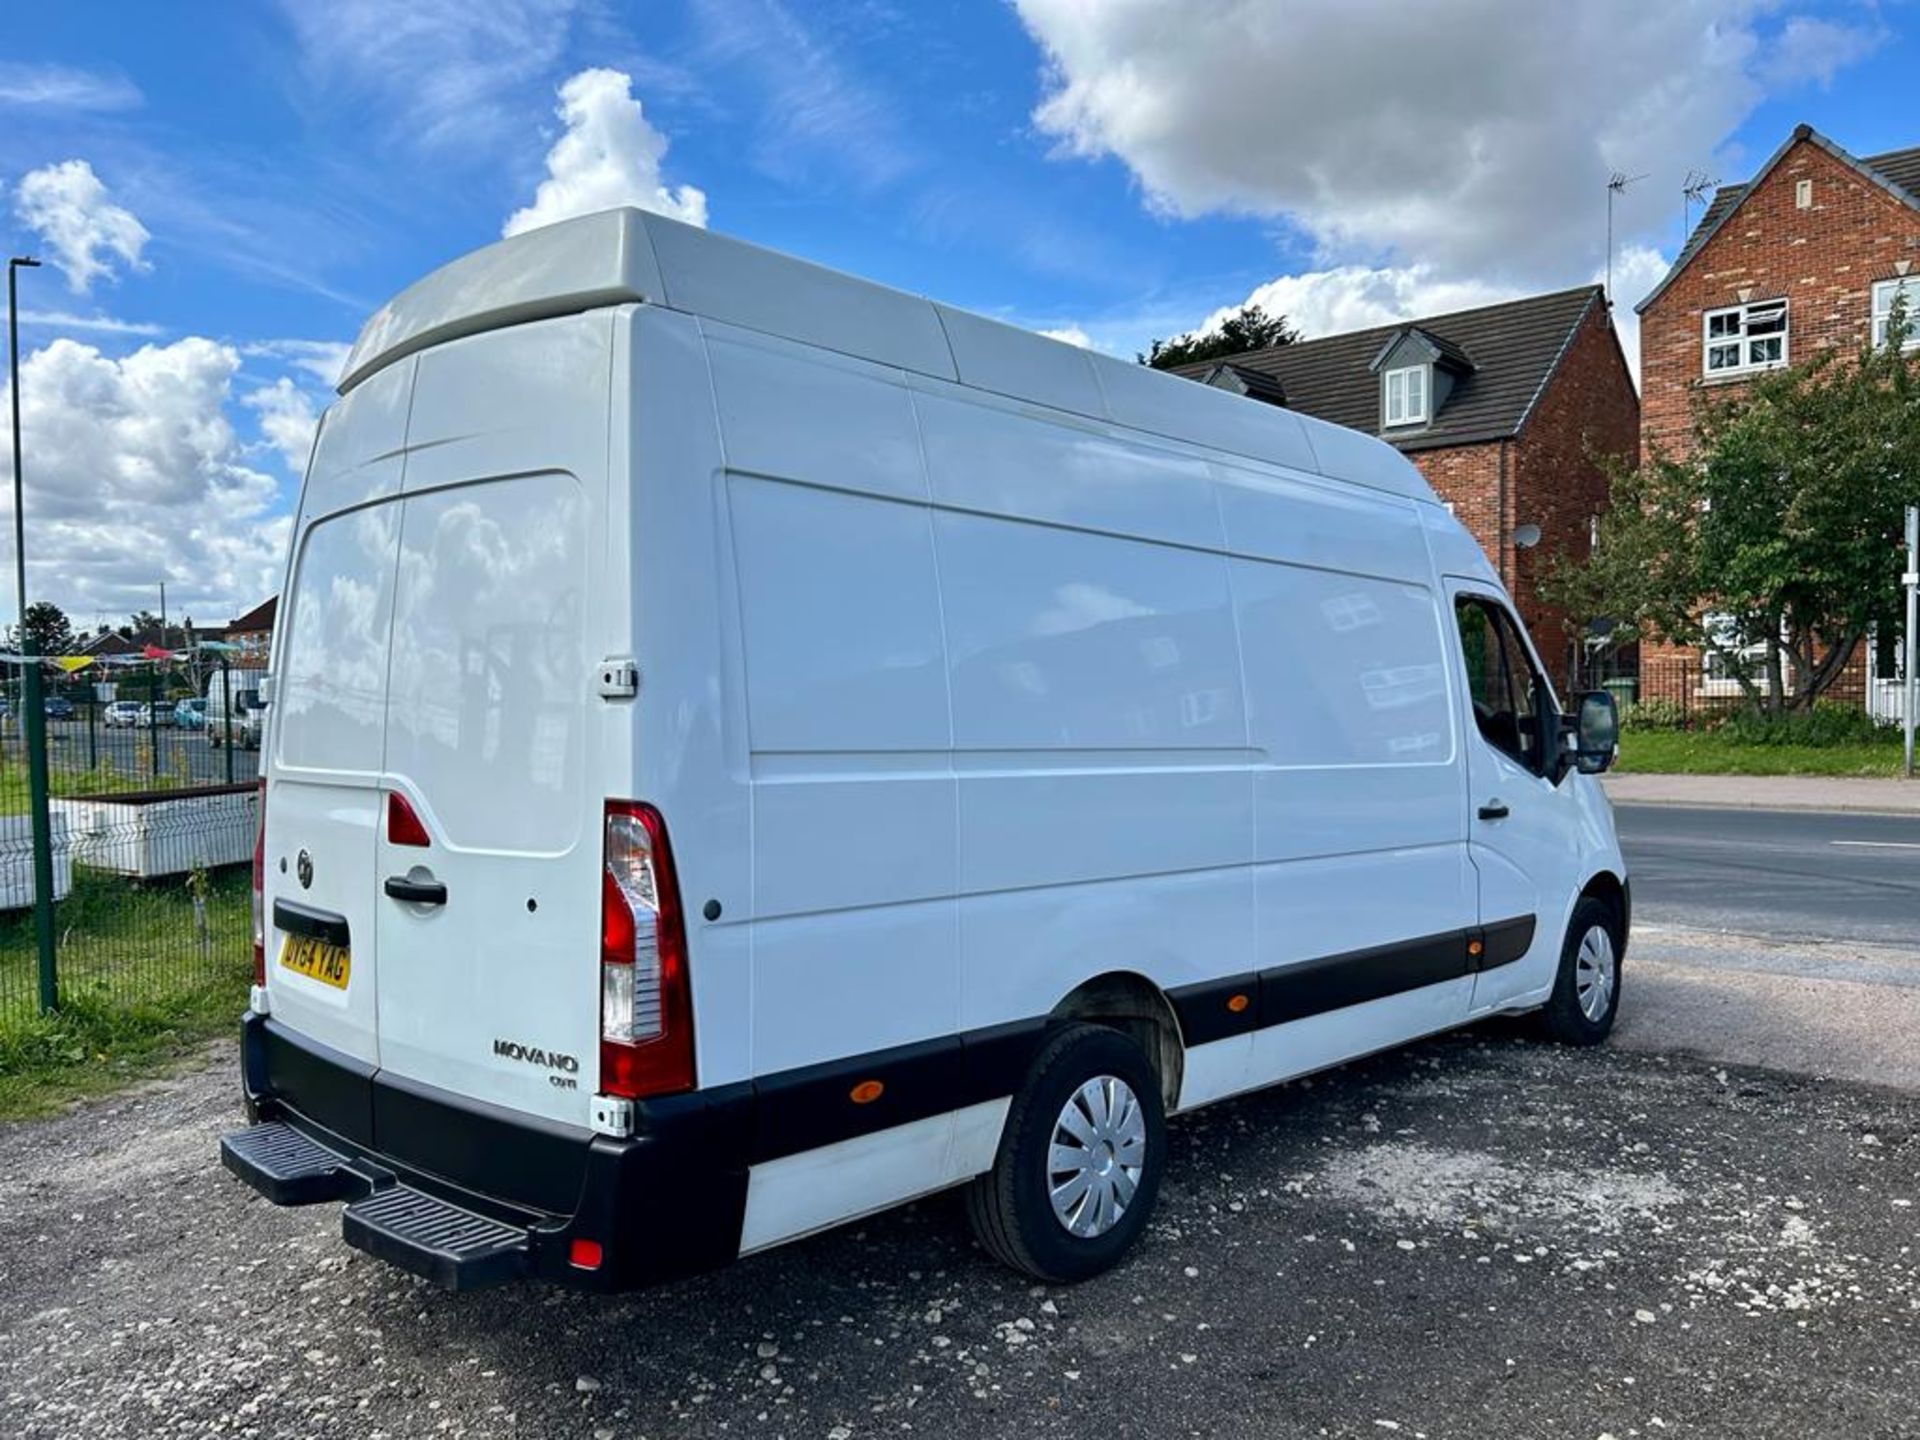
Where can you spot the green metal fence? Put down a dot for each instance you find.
(151, 823)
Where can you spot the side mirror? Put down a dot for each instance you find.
(1595, 727)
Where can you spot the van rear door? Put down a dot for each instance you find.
(323, 761)
(489, 932)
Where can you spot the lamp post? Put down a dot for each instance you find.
(33, 717)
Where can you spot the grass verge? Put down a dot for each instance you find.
(91, 1047)
(1714, 752)
(145, 978)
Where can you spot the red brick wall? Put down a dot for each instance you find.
(1589, 410)
(1547, 476)
(1468, 477)
(1823, 260)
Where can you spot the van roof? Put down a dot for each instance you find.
(625, 256)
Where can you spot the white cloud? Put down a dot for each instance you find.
(1354, 297)
(324, 360)
(1071, 335)
(64, 87)
(287, 421)
(610, 155)
(449, 73)
(93, 324)
(67, 206)
(1471, 141)
(1813, 51)
(135, 474)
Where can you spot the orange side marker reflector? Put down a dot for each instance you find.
(1474, 947)
(866, 1092)
(584, 1254)
(1237, 1003)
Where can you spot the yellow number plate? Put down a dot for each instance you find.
(329, 964)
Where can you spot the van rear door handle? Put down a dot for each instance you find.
(416, 892)
(1492, 810)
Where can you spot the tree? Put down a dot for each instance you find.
(1248, 328)
(48, 631)
(1774, 545)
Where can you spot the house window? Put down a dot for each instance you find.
(1746, 337)
(1407, 395)
(1884, 294)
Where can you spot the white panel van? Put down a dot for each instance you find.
(747, 747)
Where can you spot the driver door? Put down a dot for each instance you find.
(1523, 820)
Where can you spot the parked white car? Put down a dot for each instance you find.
(748, 747)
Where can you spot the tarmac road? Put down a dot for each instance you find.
(1783, 874)
(1789, 939)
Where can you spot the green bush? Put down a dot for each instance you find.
(1655, 713)
(1829, 722)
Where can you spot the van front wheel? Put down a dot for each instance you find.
(1586, 992)
(1079, 1162)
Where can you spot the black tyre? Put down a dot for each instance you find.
(1586, 991)
(1080, 1159)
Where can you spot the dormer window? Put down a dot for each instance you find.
(1406, 391)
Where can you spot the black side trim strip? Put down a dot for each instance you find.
(1505, 941)
(994, 1061)
(1217, 1009)
(1313, 987)
(805, 1108)
(298, 919)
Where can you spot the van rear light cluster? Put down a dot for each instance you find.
(646, 1001)
(260, 886)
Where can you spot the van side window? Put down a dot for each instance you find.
(1501, 681)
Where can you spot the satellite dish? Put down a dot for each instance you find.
(1526, 536)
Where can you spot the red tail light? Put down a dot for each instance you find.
(646, 999)
(260, 887)
(403, 824)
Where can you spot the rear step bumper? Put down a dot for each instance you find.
(468, 1195)
(453, 1247)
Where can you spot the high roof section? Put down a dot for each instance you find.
(632, 256)
(1503, 356)
(1897, 170)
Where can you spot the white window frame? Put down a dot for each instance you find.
(1882, 309)
(1745, 345)
(1715, 676)
(1404, 412)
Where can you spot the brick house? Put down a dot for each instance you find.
(252, 632)
(1805, 257)
(1503, 408)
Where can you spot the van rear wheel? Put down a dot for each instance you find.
(1080, 1158)
(1586, 991)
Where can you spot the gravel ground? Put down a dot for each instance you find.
(1480, 1236)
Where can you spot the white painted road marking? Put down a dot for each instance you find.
(1880, 844)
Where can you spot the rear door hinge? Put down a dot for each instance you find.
(619, 679)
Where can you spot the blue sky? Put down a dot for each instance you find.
(233, 187)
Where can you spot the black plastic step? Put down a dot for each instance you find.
(454, 1248)
(288, 1167)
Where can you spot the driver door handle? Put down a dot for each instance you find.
(416, 892)
(1492, 810)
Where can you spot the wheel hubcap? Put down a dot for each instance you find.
(1099, 1148)
(1594, 973)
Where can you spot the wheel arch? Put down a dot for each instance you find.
(1613, 892)
(1132, 1004)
